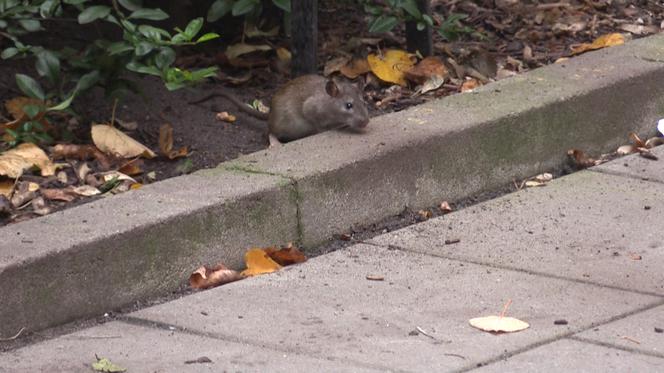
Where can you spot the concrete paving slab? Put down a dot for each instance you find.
(588, 226)
(100, 256)
(636, 166)
(329, 309)
(469, 143)
(574, 356)
(142, 349)
(636, 332)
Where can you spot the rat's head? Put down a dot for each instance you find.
(349, 107)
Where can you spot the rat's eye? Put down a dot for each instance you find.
(349, 105)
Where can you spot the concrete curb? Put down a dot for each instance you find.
(103, 255)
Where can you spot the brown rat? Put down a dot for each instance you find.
(308, 105)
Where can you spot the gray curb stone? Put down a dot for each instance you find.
(102, 255)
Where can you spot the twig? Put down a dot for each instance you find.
(115, 105)
(425, 333)
(507, 305)
(631, 339)
(14, 337)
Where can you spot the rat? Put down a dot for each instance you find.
(308, 105)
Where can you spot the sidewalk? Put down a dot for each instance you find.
(587, 248)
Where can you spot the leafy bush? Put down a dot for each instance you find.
(144, 48)
(385, 15)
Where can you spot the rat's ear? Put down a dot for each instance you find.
(332, 88)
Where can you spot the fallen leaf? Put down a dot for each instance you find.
(236, 50)
(112, 141)
(391, 66)
(105, 365)
(200, 360)
(110, 175)
(608, 40)
(639, 29)
(335, 64)
(469, 84)
(626, 149)
(424, 214)
(81, 152)
(65, 194)
(133, 167)
(654, 141)
(40, 207)
(426, 69)
(432, 84)
(375, 278)
(83, 170)
(499, 324)
(581, 159)
(166, 143)
(23, 194)
(14, 162)
(286, 256)
(445, 207)
(207, 277)
(258, 262)
(86, 190)
(252, 31)
(129, 126)
(634, 256)
(6, 187)
(15, 106)
(224, 116)
(355, 68)
(284, 55)
(636, 140)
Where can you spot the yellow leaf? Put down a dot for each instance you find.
(6, 187)
(608, 40)
(14, 161)
(258, 263)
(498, 324)
(236, 50)
(114, 142)
(391, 66)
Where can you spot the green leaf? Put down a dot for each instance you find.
(31, 110)
(421, 26)
(172, 86)
(93, 13)
(383, 24)
(48, 8)
(30, 25)
(131, 5)
(411, 8)
(372, 10)
(284, 5)
(143, 69)
(9, 53)
(119, 47)
(206, 37)
(201, 74)
(427, 19)
(64, 104)
(48, 65)
(86, 81)
(164, 58)
(151, 14)
(153, 33)
(143, 48)
(193, 28)
(75, 2)
(29, 86)
(3, 23)
(244, 6)
(219, 9)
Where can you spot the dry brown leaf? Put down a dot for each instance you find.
(286, 256)
(15, 106)
(654, 141)
(258, 263)
(608, 40)
(391, 66)
(236, 50)
(636, 140)
(284, 55)
(539, 180)
(23, 194)
(626, 149)
(469, 84)
(355, 68)
(6, 187)
(65, 194)
(445, 207)
(426, 69)
(424, 214)
(166, 143)
(207, 277)
(86, 190)
(112, 141)
(581, 159)
(335, 64)
(133, 167)
(224, 116)
(81, 152)
(14, 162)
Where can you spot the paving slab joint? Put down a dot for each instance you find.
(616, 347)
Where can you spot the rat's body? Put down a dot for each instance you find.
(308, 105)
